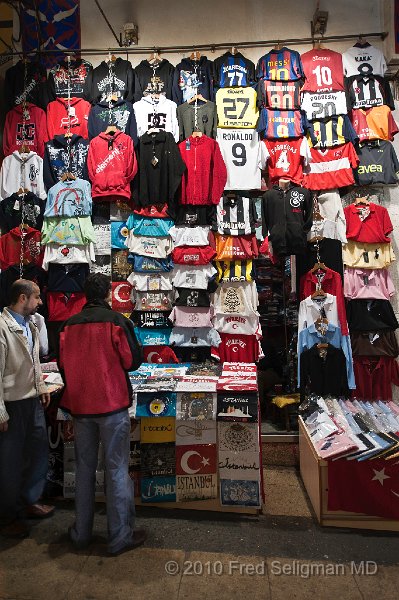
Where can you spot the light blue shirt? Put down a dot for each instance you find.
(21, 320)
(308, 337)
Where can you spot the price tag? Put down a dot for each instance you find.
(366, 257)
(188, 145)
(154, 161)
(16, 205)
(72, 111)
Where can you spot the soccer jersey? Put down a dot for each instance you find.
(286, 159)
(324, 105)
(323, 70)
(190, 276)
(237, 107)
(241, 348)
(364, 59)
(244, 156)
(374, 123)
(235, 215)
(280, 65)
(378, 163)
(276, 124)
(331, 168)
(232, 70)
(366, 92)
(235, 247)
(237, 270)
(153, 282)
(279, 94)
(333, 131)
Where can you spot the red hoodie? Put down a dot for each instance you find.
(206, 175)
(112, 165)
(35, 130)
(57, 117)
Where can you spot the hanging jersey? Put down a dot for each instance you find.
(330, 132)
(149, 227)
(286, 159)
(152, 300)
(276, 124)
(323, 71)
(235, 215)
(147, 337)
(192, 298)
(331, 168)
(364, 60)
(193, 277)
(190, 236)
(238, 270)
(324, 105)
(193, 215)
(374, 123)
(366, 92)
(239, 348)
(378, 163)
(190, 255)
(232, 70)
(149, 246)
(237, 108)
(244, 156)
(280, 65)
(185, 316)
(196, 336)
(284, 95)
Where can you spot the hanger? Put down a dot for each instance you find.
(197, 97)
(197, 133)
(68, 134)
(155, 58)
(195, 55)
(316, 238)
(24, 149)
(22, 191)
(111, 130)
(68, 176)
(111, 57)
(153, 130)
(318, 44)
(233, 50)
(277, 46)
(365, 201)
(319, 266)
(23, 227)
(319, 294)
(322, 345)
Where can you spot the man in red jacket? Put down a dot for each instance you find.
(97, 348)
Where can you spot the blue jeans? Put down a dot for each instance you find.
(23, 457)
(114, 433)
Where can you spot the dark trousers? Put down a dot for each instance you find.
(23, 457)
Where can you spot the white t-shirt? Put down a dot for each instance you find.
(160, 113)
(190, 236)
(193, 277)
(153, 282)
(148, 246)
(244, 156)
(238, 324)
(368, 60)
(63, 255)
(323, 105)
(236, 298)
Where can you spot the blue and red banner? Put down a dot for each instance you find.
(50, 25)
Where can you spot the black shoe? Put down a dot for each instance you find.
(139, 537)
(15, 529)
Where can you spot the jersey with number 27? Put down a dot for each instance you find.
(244, 156)
(237, 107)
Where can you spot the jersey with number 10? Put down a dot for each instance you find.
(280, 65)
(323, 71)
(236, 107)
(244, 157)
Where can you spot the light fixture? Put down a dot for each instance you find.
(319, 23)
(130, 36)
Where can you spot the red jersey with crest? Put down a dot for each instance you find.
(323, 71)
(331, 168)
(239, 348)
(287, 158)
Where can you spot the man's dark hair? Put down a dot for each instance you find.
(97, 287)
(20, 286)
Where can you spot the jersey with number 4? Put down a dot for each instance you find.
(237, 108)
(287, 159)
(324, 105)
(323, 71)
(244, 157)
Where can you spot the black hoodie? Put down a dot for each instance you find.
(56, 159)
(76, 71)
(193, 77)
(100, 83)
(36, 85)
(154, 79)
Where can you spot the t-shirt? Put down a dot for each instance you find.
(286, 159)
(233, 70)
(333, 131)
(323, 70)
(280, 65)
(194, 215)
(156, 211)
(195, 336)
(152, 300)
(374, 123)
(154, 282)
(237, 270)
(364, 59)
(149, 337)
(62, 305)
(119, 233)
(244, 156)
(331, 167)
(280, 123)
(242, 348)
(240, 324)
(149, 227)
(236, 298)
(366, 92)
(151, 319)
(279, 94)
(192, 298)
(237, 107)
(144, 264)
(185, 316)
(188, 276)
(67, 278)
(149, 246)
(229, 247)
(70, 231)
(378, 163)
(324, 104)
(189, 255)
(367, 256)
(370, 223)
(368, 284)
(190, 236)
(61, 254)
(235, 215)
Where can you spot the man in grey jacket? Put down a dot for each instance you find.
(23, 397)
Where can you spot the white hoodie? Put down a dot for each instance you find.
(156, 112)
(22, 171)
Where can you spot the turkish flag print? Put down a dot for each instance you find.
(121, 301)
(196, 460)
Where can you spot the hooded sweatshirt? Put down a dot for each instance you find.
(22, 170)
(121, 115)
(112, 165)
(106, 79)
(193, 77)
(59, 119)
(36, 85)
(35, 134)
(156, 112)
(56, 159)
(153, 79)
(70, 77)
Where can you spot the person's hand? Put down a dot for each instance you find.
(3, 427)
(45, 399)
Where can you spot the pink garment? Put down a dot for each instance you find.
(368, 284)
(186, 316)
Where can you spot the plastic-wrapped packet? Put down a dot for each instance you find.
(335, 445)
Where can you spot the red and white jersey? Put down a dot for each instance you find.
(242, 348)
(331, 168)
(240, 324)
(323, 71)
(287, 158)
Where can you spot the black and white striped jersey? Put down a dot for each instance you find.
(367, 92)
(235, 215)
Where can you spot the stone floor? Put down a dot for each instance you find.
(188, 555)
